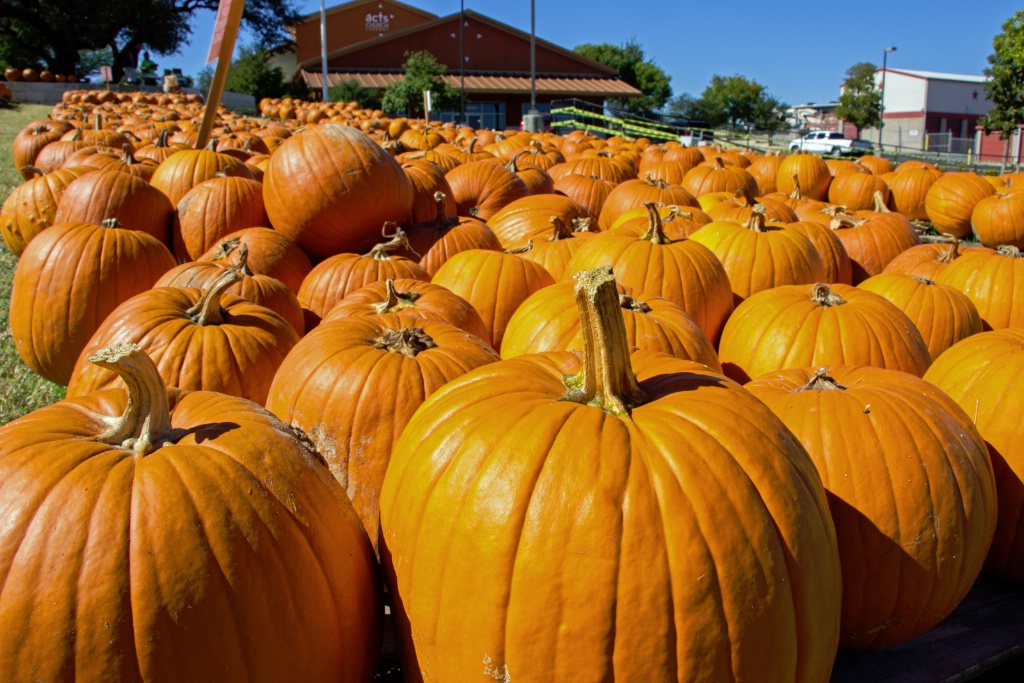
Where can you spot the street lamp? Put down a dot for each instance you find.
(462, 59)
(881, 105)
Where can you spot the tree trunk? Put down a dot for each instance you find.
(125, 56)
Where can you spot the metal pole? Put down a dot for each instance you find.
(533, 59)
(462, 58)
(323, 48)
(881, 105)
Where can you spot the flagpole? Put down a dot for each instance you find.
(323, 48)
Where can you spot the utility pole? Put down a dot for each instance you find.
(881, 105)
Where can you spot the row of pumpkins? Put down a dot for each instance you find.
(30, 75)
(593, 408)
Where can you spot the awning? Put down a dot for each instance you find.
(475, 83)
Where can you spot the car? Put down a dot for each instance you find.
(830, 142)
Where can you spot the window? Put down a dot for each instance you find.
(480, 115)
(835, 136)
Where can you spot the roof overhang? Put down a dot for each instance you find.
(493, 84)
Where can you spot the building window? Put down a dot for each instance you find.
(542, 108)
(490, 115)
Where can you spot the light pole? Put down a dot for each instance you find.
(323, 50)
(881, 105)
(533, 60)
(462, 58)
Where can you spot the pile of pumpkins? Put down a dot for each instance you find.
(576, 408)
(30, 75)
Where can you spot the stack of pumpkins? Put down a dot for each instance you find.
(505, 371)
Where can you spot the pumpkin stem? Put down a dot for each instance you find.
(225, 248)
(521, 250)
(406, 341)
(582, 224)
(656, 182)
(243, 261)
(924, 280)
(656, 231)
(797, 193)
(719, 163)
(823, 295)
(396, 241)
(630, 304)
(443, 222)
(560, 231)
(128, 155)
(33, 171)
(821, 381)
(110, 223)
(846, 221)
(393, 300)
(880, 202)
(208, 310)
(1008, 250)
(511, 165)
(951, 254)
(834, 210)
(606, 380)
(757, 218)
(146, 423)
(162, 140)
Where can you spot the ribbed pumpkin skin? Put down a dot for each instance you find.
(494, 283)
(785, 328)
(679, 222)
(353, 399)
(765, 170)
(576, 545)
(216, 208)
(928, 260)
(909, 190)
(999, 220)
(530, 218)
(941, 314)
(756, 261)
(993, 282)
(237, 357)
(482, 188)
(810, 171)
(436, 244)
(983, 374)
(331, 187)
(910, 489)
(705, 179)
(951, 200)
(426, 178)
(684, 272)
(259, 289)
(549, 321)
(588, 191)
(94, 197)
(56, 308)
(230, 551)
(413, 298)
(554, 255)
(31, 139)
(856, 191)
(270, 253)
(872, 244)
(635, 193)
(29, 208)
(838, 267)
(183, 170)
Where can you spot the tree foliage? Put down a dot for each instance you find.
(53, 32)
(641, 73)
(422, 72)
(351, 91)
(1005, 84)
(731, 99)
(769, 115)
(860, 102)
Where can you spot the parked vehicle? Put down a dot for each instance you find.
(830, 142)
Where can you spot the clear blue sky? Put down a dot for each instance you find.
(799, 50)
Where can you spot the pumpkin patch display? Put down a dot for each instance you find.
(910, 489)
(527, 497)
(993, 281)
(175, 535)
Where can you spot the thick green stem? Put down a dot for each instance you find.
(606, 380)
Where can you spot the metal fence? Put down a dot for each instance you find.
(945, 143)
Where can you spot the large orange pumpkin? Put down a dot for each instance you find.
(331, 187)
(910, 489)
(99, 195)
(29, 208)
(214, 209)
(951, 200)
(808, 172)
(176, 535)
(528, 498)
(530, 218)
(999, 220)
(993, 281)
(270, 253)
(482, 188)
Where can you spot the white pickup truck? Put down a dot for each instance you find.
(829, 142)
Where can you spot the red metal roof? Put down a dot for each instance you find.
(546, 85)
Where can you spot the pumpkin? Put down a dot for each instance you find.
(590, 192)
(31, 139)
(549, 321)
(183, 170)
(530, 495)
(194, 533)
(334, 278)
(800, 326)
(856, 191)
(353, 383)
(603, 165)
(877, 165)
(554, 253)
(331, 187)
(993, 281)
(765, 170)
(55, 308)
(742, 207)
(951, 200)
(672, 172)
(941, 314)
(99, 195)
(215, 208)
(270, 253)
(678, 222)
(758, 257)
(927, 260)
(999, 220)
(201, 340)
(52, 156)
(982, 374)
(495, 283)
(909, 191)
(873, 239)
(427, 179)
(635, 193)
(537, 179)
(717, 177)
(435, 241)
(530, 218)
(806, 171)
(482, 188)
(30, 207)
(683, 271)
(910, 489)
(838, 267)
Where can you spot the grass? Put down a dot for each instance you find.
(21, 390)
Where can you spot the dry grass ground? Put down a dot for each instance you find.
(21, 390)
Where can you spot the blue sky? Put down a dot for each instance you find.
(799, 50)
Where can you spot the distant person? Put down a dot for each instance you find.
(171, 83)
(147, 65)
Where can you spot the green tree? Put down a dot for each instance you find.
(641, 73)
(860, 102)
(351, 91)
(422, 72)
(1005, 84)
(769, 115)
(251, 74)
(730, 99)
(54, 32)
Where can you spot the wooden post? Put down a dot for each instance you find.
(229, 16)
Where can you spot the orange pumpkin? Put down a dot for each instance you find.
(104, 194)
(951, 200)
(635, 193)
(530, 218)
(213, 209)
(806, 171)
(270, 253)
(717, 177)
(30, 207)
(436, 240)
(999, 220)
(909, 191)
(993, 282)
(481, 188)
